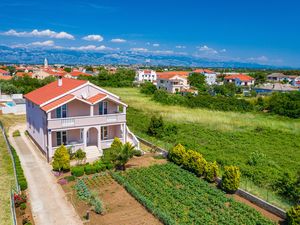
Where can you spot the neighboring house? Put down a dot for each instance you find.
(76, 73)
(275, 87)
(5, 77)
(4, 72)
(22, 74)
(146, 75)
(276, 77)
(240, 80)
(78, 114)
(173, 81)
(210, 76)
(46, 72)
(296, 82)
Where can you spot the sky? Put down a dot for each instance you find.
(259, 31)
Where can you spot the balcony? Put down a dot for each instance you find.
(82, 121)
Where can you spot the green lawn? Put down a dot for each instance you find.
(227, 137)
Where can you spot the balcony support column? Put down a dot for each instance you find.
(124, 133)
(124, 109)
(84, 137)
(91, 110)
(99, 140)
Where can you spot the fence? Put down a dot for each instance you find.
(243, 193)
(12, 202)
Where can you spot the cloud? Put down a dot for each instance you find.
(207, 50)
(43, 44)
(93, 37)
(180, 46)
(42, 33)
(259, 59)
(223, 50)
(118, 40)
(91, 48)
(155, 45)
(139, 49)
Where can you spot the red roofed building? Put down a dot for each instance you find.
(4, 72)
(240, 79)
(5, 77)
(173, 81)
(210, 76)
(146, 75)
(76, 73)
(22, 74)
(77, 114)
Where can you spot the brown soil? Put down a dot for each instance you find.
(144, 161)
(22, 214)
(264, 212)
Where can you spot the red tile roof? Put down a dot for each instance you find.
(241, 77)
(52, 90)
(203, 71)
(77, 73)
(5, 77)
(3, 71)
(57, 102)
(55, 73)
(96, 98)
(170, 74)
(22, 74)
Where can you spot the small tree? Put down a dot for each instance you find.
(194, 162)
(231, 179)
(211, 171)
(61, 159)
(148, 88)
(156, 126)
(80, 155)
(121, 154)
(117, 143)
(293, 215)
(177, 154)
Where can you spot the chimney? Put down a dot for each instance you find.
(60, 83)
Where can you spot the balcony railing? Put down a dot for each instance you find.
(69, 122)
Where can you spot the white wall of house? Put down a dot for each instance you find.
(173, 85)
(210, 78)
(146, 75)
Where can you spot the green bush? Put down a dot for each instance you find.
(23, 206)
(77, 171)
(156, 126)
(61, 159)
(137, 153)
(23, 184)
(177, 154)
(293, 215)
(231, 179)
(194, 162)
(16, 133)
(19, 171)
(90, 169)
(80, 154)
(211, 171)
(70, 178)
(148, 88)
(99, 165)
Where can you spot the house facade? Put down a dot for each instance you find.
(77, 114)
(240, 80)
(210, 76)
(145, 75)
(173, 81)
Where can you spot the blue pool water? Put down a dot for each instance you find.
(10, 104)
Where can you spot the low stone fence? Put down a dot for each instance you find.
(244, 194)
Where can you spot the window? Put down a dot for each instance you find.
(61, 112)
(103, 108)
(161, 81)
(81, 134)
(61, 137)
(104, 133)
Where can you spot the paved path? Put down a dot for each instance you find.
(49, 203)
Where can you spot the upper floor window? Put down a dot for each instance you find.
(61, 112)
(103, 108)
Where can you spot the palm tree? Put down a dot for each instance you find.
(123, 154)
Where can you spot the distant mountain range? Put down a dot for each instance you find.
(64, 56)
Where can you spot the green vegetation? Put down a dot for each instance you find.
(176, 196)
(19, 170)
(231, 179)
(16, 133)
(61, 159)
(230, 138)
(77, 171)
(293, 215)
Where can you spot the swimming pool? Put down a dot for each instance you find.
(10, 104)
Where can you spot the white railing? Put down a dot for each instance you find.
(134, 139)
(58, 123)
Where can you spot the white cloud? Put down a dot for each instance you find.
(180, 46)
(92, 48)
(207, 50)
(139, 49)
(118, 40)
(43, 44)
(93, 37)
(155, 45)
(260, 59)
(42, 33)
(223, 50)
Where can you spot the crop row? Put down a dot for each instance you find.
(177, 196)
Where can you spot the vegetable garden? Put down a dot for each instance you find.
(176, 196)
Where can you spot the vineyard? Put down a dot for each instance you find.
(176, 196)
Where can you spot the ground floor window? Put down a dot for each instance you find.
(61, 138)
(104, 133)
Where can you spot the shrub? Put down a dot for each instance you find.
(156, 126)
(16, 133)
(256, 158)
(99, 165)
(77, 171)
(293, 215)
(148, 88)
(80, 155)
(19, 171)
(90, 169)
(23, 206)
(61, 159)
(137, 153)
(211, 171)
(19, 199)
(70, 178)
(231, 179)
(23, 184)
(194, 162)
(117, 143)
(121, 155)
(177, 154)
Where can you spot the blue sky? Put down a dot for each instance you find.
(258, 31)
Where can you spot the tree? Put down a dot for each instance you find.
(80, 155)
(61, 159)
(231, 179)
(156, 126)
(198, 81)
(148, 88)
(67, 69)
(211, 171)
(121, 155)
(293, 215)
(177, 154)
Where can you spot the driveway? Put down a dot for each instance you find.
(48, 200)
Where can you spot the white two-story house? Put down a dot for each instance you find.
(173, 81)
(145, 75)
(77, 114)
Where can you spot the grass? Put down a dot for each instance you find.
(7, 179)
(227, 137)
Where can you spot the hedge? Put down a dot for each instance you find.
(19, 170)
(77, 171)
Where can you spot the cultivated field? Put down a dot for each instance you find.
(227, 137)
(179, 197)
